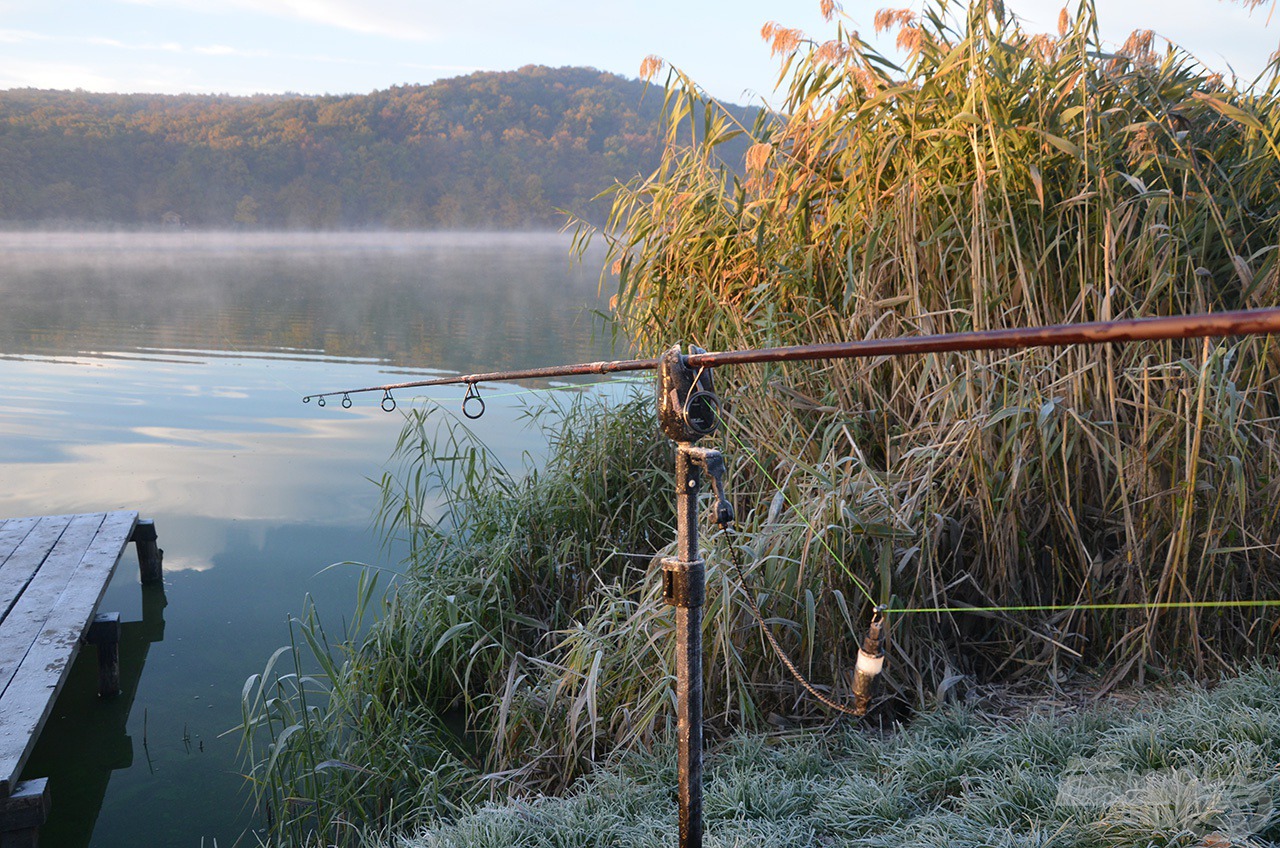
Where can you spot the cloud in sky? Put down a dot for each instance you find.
(395, 19)
(10, 37)
(17, 36)
(63, 75)
(1220, 33)
(219, 50)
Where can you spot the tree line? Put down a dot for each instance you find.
(491, 149)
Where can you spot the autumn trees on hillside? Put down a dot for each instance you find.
(490, 149)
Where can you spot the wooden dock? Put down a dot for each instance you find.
(54, 570)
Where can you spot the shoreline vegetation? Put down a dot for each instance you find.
(997, 179)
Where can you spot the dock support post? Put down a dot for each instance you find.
(22, 813)
(104, 634)
(150, 556)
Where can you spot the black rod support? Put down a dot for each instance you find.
(686, 405)
(686, 580)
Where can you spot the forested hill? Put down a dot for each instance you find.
(485, 150)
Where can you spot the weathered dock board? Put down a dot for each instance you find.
(53, 572)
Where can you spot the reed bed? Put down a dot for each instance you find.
(999, 179)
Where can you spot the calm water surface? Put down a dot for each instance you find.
(163, 372)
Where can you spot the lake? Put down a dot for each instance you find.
(164, 372)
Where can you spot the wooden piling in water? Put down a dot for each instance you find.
(104, 635)
(22, 813)
(150, 557)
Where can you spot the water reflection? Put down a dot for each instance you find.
(164, 374)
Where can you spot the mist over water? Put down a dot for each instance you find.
(425, 300)
(164, 372)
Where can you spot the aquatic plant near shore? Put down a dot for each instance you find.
(328, 763)
(347, 738)
(507, 577)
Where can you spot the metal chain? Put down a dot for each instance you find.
(735, 557)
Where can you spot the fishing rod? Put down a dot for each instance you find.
(1241, 322)
(688, 410)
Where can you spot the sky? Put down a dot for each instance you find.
(358, 46)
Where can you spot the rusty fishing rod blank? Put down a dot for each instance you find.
(581, 369)
(1243, 322)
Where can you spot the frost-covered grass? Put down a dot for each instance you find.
(1200, 769)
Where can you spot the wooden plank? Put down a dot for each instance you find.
(38, 572)
(32, 608)
(29, 698)
(12, 532)
(86, 579)
(76, 604)
(27, 557)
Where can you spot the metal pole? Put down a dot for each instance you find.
(685, 583)
(687, 411)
